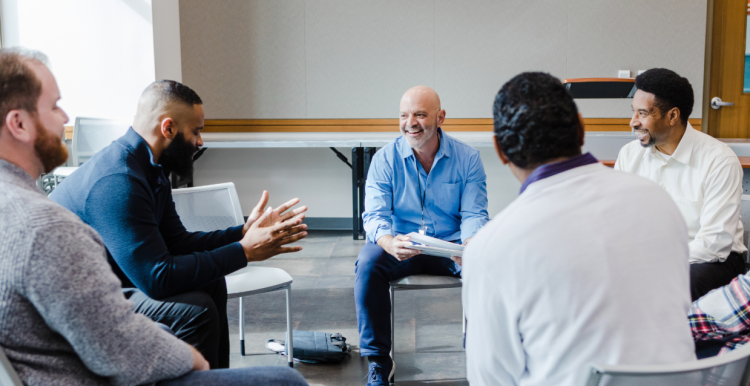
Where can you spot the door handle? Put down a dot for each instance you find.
(717, 103)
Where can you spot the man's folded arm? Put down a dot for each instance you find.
(720, 213)
(474, 199)
(180, 241)
(80, 298)
(120, 209)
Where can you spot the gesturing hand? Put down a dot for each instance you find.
(395, 246)
(277, 215)
(262, 242)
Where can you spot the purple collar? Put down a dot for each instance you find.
(549, 170)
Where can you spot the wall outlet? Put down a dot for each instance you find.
(641, 72)
(623, 74)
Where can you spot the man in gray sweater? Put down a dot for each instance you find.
(63, 317)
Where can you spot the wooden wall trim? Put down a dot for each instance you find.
(381, 125)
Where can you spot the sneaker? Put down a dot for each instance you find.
(381, 374)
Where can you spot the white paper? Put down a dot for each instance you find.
(432, 251)
(433, 242)
(434, 247)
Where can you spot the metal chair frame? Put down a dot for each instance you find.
(596, 372)
(234, 281)
(417, 282)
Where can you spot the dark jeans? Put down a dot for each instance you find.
(705, 277)
(198, 318)
(374, 269)
(255, 376)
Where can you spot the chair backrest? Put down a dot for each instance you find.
(731, 369)
(93, 134)
(8, 375)
(745, 219)
(208, 208)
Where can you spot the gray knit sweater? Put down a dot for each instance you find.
(63, 317)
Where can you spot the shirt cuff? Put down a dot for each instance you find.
(470, 228)
(236, 258)
(381, 231)
(700, 254)
(235, 233)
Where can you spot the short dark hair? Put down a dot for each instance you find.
(536, 120)
(20, 88)
(670, 91)
(173, 91)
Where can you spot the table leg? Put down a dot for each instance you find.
(355, 192)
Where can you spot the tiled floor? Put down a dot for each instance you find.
(428, 322)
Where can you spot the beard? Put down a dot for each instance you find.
(178, 156)
(429, 132)
(651, 139)
(49, 148)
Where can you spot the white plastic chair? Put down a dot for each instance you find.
(731, 369)
(417, 282)
(214, 207)
(8, 375)
(90, 135)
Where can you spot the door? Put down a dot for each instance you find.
(729, 70)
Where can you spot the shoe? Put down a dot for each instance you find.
(381, 374)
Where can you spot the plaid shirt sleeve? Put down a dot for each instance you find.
(726, 316)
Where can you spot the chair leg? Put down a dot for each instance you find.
(242, 326)
(289, 333)
(393, 328)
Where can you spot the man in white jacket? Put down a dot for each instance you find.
(572, 271)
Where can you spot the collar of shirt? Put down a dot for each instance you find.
(155, 174)
(550, 170)
(443, 151)
(684, 149)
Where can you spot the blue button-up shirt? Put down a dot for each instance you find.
(455, 204)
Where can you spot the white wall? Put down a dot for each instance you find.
(101, 51)
(254, 59)
(259, 59)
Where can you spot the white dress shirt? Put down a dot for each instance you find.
(572, 273)
(704, 177)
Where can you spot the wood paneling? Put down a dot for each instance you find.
(382, 125)
(69, 132)
(727, 70)
(744, 161)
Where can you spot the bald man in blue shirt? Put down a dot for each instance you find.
(424, 181)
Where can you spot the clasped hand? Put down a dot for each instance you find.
(264, 235)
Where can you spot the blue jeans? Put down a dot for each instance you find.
(255, 376)
(375, 268)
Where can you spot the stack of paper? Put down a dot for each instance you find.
(434, 247)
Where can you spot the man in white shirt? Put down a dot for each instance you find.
(701, 174)
(567, 274)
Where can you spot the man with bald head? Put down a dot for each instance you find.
(173, 276)
(426, 182)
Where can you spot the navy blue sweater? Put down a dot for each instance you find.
(127, 199)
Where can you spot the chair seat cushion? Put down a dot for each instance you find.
(253, 280)
(426, 282)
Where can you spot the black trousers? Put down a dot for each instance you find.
(198, 318)
(705, 277)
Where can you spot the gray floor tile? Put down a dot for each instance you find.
(428, 322)
(341, 266)
(311, 249)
